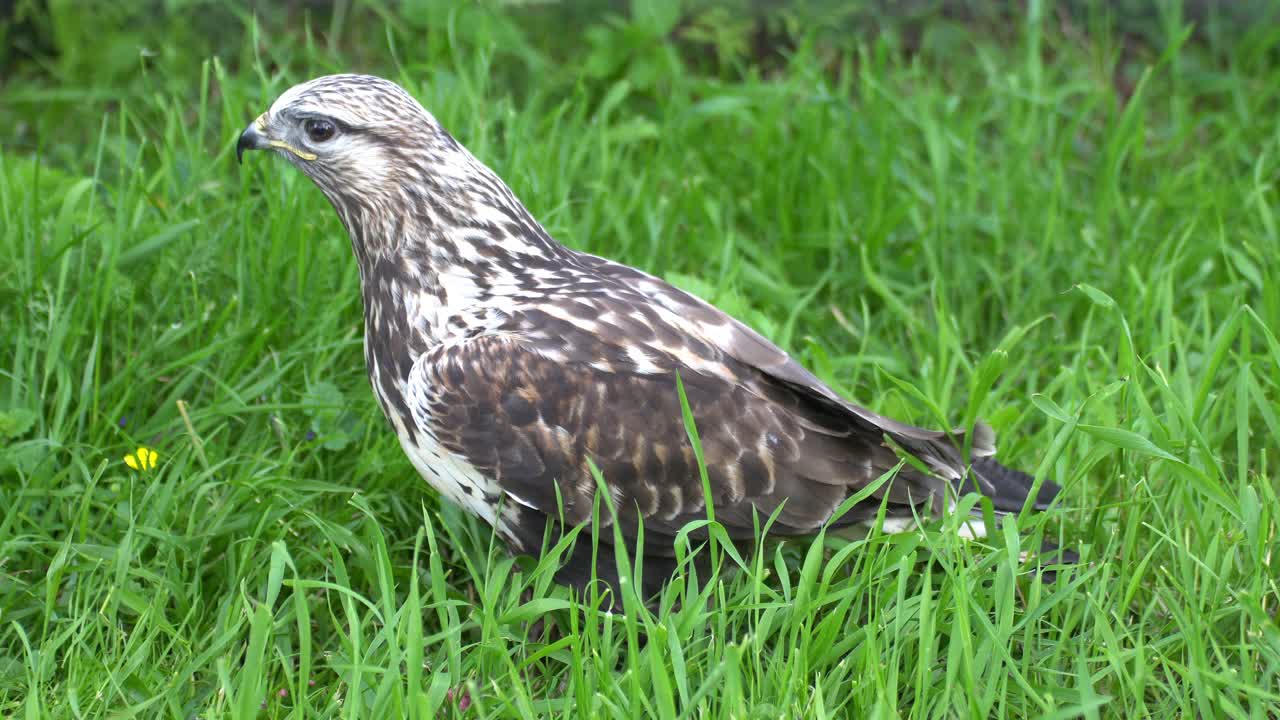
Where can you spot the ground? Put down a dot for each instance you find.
(1064, 229)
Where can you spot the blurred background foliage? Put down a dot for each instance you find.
(121, 48)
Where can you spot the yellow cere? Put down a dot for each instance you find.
(261, 123)
(143, 459)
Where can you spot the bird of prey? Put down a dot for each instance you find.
(509, 364)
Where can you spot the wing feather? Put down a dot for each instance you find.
(566, 387)
(534, 424)
(735, 341)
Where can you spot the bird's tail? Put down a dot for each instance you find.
(1009, 491)
(1007, 488)
(942, 452)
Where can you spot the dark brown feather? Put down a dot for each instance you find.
(533, 423)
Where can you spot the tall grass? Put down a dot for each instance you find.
(1072, 240)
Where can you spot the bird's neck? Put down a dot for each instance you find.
(438, 262)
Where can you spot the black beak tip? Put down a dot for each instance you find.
(251, 139)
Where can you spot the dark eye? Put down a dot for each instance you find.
(319, 129)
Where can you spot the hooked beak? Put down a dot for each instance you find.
(254, 137)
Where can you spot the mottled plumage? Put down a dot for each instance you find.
(508, 363)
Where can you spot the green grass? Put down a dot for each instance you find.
(982, 228)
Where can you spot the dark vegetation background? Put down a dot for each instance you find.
(591, 43)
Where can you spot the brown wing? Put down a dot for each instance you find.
(532, 422)
(714, 337)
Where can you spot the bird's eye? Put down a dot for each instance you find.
(319, 129)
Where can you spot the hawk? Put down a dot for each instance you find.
(509, 364)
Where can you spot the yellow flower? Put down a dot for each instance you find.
(144, 459)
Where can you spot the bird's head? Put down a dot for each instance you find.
(395, 176)
(359, 137)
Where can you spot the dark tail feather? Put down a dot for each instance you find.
(1007, 488)
(1051, 554)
